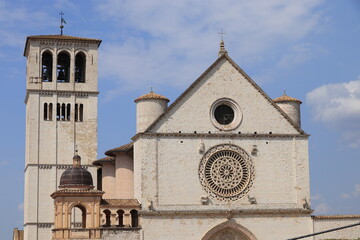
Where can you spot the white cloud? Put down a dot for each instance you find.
(16, 19)
(345, 196)
(3, 163)
(322, 208)
(167, 42)
(338, 106)
(316, 197)
(353, 194)
(296, 54)
(21, 207)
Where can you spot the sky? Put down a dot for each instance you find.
(310, 48)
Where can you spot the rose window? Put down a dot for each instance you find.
(226, 172)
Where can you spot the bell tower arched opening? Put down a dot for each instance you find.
(63, 67)
(47, 62)
(80, 67)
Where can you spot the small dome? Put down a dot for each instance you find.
(286, 98)
(76, 176)
(151, 95)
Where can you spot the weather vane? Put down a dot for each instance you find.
(221, 33)
(62, 20)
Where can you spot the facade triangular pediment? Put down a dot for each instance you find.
(224, 82)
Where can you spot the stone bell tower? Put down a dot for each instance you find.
(61, 118)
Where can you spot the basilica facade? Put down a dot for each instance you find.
(224, 161)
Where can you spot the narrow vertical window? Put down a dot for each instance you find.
(50, 111)
(121, 218)
(63, 67)
(63, 112)
(81, 113)
(107, 218)
(68, 111)
(58, 110)
(45, 111)
(76, 112)
(47, 62)
(134, 218)
(80, 67)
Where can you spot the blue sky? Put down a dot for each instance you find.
(309, 47)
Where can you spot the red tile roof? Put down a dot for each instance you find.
(101, 161)
(286, 98)
(151, 95)
(124, 148)
(65, 38)
(120, 202)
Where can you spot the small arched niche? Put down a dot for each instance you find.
(229, 231)
(80, 67)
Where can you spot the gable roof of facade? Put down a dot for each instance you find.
(63, 38)
(197, 81)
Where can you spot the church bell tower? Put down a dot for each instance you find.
(61, 119)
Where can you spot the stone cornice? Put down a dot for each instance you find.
(58, 166)
(336, 217)
(42, 224)
(59, 92)
(77, 193)
(228, 213)
(218, 135)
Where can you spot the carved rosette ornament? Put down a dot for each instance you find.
(226, 172)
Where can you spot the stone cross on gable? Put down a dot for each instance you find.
(221, 33)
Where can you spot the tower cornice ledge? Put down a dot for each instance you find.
(45, 91)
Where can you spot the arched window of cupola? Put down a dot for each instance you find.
(134, 218)
(121, 218)
(74, 222)
(63, 67)
(107, 218)
(46, 68)
(80, 67)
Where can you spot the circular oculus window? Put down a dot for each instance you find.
(226, 172)
(225, 114)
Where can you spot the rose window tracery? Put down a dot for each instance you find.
(226, 172)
